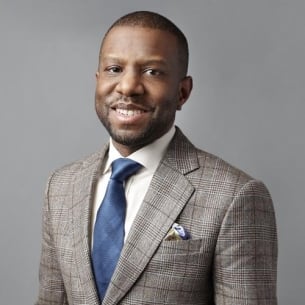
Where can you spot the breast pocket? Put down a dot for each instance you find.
(183, 265)
(182, 255)
(176, 247)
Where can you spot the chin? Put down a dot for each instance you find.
(128, 140)
(131, 138)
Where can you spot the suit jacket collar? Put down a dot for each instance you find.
(168, 193)
(181, 154)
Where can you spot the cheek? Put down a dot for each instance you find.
(102, 94)
(104, 87)
(99, 92)
(167, 100)
(99, 99)
(161, 91)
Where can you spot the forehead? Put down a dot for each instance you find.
(139, 42)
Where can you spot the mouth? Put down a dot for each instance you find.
(129, 110)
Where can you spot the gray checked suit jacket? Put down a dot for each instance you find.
(231, 258)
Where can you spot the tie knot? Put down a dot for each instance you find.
(123, 168)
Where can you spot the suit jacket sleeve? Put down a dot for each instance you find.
(51, 286)
(245, 263)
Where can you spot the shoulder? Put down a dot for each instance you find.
(220, 168)
(224, 180)
(206, 171)
(67, 172)
(192, 159)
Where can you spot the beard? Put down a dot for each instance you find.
(129, 138)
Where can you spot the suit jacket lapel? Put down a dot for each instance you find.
(167, 195)
(82, 199)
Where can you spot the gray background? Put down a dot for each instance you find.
(247, 60)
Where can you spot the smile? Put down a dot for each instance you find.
(129, 112)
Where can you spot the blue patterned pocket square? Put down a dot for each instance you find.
(177, 232)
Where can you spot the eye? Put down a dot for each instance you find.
(113, 69)
(153, 72)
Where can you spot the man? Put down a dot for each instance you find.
(197, 230)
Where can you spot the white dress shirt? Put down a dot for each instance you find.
(137, 185)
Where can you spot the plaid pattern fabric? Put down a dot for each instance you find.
(231, 258)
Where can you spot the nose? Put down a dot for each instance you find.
(130, 84)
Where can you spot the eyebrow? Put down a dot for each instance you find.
(149, 61)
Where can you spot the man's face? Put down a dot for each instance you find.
(139, 86)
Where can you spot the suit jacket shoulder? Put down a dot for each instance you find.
(194, 163)
(74, 167)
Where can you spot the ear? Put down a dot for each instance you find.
(185, 89)
(97, 75)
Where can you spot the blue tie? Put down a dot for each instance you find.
(109, 225)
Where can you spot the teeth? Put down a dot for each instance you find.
(129, 112)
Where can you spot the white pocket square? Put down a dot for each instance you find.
(177, 232)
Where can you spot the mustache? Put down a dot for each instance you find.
(126, 102)
(127, 99)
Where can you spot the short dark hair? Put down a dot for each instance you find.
(152, 20)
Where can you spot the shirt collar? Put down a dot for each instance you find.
(149, 156)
